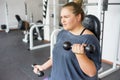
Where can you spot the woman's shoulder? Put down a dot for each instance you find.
(62, 31)
(88, 32)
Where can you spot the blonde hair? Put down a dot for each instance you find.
(80, 2)
(76, 8)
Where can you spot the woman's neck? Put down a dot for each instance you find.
(77, 30)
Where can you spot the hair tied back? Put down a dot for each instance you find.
(79, 2)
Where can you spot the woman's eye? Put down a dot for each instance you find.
(66, 16)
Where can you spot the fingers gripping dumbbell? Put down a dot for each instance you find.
(39, 73)
(89, 48)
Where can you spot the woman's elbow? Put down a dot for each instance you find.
(92, 73)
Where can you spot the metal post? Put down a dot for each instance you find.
(6, 17)
(55, 14)
(46, 19)
(100, 8)
(26, 14)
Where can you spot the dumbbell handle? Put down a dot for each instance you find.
(40, 73)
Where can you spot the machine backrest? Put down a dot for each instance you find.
(92, 23)
(22, 25)
(18, 18)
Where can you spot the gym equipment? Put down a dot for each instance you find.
(26, 12)
(32, 47)
(89, 48)
(92, 23)
(40, 73)
(46, 28)
(45, 2)
(24, 25)
(105, 5)
(3, 26)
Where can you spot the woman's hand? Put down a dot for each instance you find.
(78, 48)
(38, 68)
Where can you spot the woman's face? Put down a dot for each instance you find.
(68, 19)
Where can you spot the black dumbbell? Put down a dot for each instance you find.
(40, 73)
(89, 48)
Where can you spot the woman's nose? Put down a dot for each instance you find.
(62, 21)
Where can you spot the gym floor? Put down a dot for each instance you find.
(16, 59)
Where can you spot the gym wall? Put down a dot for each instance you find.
(15, 7)
(2, 12)
(34, 9)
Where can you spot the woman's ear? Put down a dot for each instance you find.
(79, 17)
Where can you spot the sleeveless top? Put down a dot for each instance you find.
(65, 65)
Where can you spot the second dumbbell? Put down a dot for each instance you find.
(40, 73)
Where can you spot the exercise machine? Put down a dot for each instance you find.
(44, 25)
(31, 46)
(25, 26)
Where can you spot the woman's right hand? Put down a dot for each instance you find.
(42, 67)
(38, 68)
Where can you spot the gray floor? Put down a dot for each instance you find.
(16, 59)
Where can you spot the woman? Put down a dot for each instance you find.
(75, 64)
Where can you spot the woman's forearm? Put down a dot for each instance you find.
(87, 65)
(47, 64)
